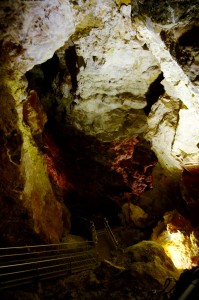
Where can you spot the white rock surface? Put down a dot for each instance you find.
(176, 83)
(115, 61)
(169, 144)
(117, 74)
(162, 124)
(121, 60)
(41, 27)
(186, 143)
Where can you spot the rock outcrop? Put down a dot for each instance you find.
(28, 38)
(179, 239)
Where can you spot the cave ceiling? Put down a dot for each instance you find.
(109, 54)
(125, 74)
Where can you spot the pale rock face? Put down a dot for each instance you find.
(117, 74)
(186, 142)
(170, 144)
(173, 132)
(162, 123)
(186, 52)
(45, 27)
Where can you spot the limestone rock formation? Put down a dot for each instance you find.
(26, 41)
(166, 112)
(179, 239)
(178, 86)
(109, 75)
(117, 72)
(31, 32)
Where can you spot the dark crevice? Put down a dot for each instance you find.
(40, 78)
(190, 38)
(50, 70)
(81, 62)
(72, 65)
(145, 47)
(155, 90)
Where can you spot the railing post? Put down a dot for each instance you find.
(94, 232)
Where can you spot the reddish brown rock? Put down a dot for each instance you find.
(134, 160)
(55, 164)
(33, 113)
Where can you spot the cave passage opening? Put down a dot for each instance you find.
(83, 162)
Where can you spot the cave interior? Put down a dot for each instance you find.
(100, 125)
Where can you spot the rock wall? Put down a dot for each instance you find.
(31, 31)
(107, 55)
(118, 70)
(30, 211)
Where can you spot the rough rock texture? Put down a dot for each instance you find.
(38, 195)
(169, 31)
(31, 31)
(109, 59)
(104, 77)
(33, 114)
(162, 124)
(105, 49)
(27, 198)
(128, 155)
(178, 86)
(179, 239)
(12, 182)
(117, 72)
(55, 165)
(26, 189)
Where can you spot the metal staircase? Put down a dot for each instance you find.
(28, 264)
(25, 265)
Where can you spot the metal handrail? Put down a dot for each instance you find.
(46, 245)
(42, 261)
(111, 234)
(67, 264)
(43, 252)
(31, 279)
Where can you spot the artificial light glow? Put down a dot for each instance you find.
(180, 248)
(179, 239)
(175, 249)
